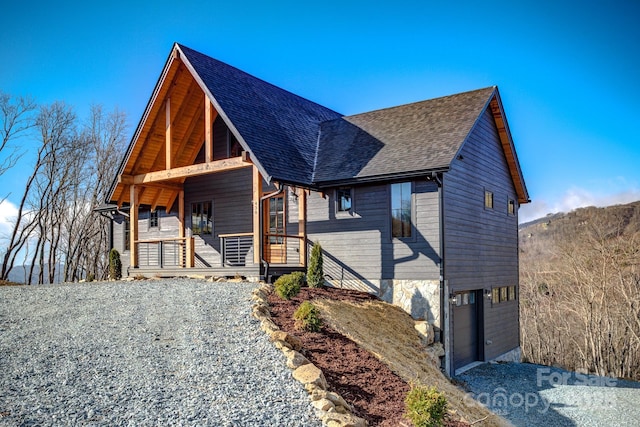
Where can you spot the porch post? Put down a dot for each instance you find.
(167, 143)
(133, 226)
(181, 225)
(257, 232)
(302, 226)
(208, 137)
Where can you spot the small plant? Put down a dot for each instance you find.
(115, 265)
(315, 273)
(289, 285)
(307, 317)
(425, 406)
(91, 277)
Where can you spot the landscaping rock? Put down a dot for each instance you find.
(309, 374)
(336, 419)
(323, 405)
(290, 341)
(295, 359)
(425, 329)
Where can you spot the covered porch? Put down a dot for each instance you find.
(175, 152)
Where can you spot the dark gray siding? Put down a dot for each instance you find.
(360, 247)
(231, 195)
(481, 245)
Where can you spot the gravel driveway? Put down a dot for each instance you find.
(536, 395)
(161, 352)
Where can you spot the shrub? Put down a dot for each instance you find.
(289, 285)
(307, 317)
(91, 277)
(115, 266)
(425, 406)
(315, 274)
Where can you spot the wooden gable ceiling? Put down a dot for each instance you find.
(176, 111)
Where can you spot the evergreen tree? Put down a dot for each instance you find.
(315, 274)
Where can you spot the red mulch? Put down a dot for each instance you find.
(374, 391)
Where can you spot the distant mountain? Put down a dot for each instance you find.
(617, 219)
(20, 273)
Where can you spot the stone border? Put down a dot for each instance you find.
(331, 408)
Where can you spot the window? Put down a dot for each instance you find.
(276, 220)
(488, 199)
(153, 219)
(465, 298)
(503, 294)
(201, 219)
(127, 232)
(343, 200)
(511, 208)
(495, 295)
(401, 210)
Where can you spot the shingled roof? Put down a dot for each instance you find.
(280, 129)
(405, 140)
(296, 141)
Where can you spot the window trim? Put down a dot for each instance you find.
(511, 207)
(344, 213)
(489, 196)
(126, 232)
(157, 219)
(412, 237)
(202, 202)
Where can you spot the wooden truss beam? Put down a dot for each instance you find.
(187, 171)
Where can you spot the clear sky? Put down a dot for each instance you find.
(568, 72)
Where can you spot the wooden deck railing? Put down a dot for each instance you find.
(236, 249)
(173, 252)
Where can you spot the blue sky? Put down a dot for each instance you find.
(569, 76)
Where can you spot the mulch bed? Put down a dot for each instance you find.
(376, 393)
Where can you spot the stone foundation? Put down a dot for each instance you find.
(419, 298)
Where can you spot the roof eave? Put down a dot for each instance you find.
(396, 176)
(167, 66)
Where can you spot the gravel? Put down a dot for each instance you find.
(178, 352)
(536, 395)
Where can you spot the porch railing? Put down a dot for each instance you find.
(237, 249)
(282, 249)
(175, 252)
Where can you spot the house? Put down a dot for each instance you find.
(229, 175)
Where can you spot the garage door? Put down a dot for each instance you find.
(465, 329)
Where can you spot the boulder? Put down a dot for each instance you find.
(425, 329)
(295, 359)
(336, 419)
(310, 374)
(290, 341)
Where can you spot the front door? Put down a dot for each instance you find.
(275, 242)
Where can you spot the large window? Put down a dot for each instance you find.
(344, 202)
(401, 210)
(201, 219)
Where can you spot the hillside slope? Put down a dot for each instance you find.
(580, 290)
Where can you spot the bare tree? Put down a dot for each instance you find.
(580, 300)
(16, 118)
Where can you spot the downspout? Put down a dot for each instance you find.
(262, 199)
(444, 289)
